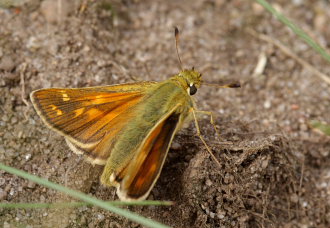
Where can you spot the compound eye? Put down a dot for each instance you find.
(192, 89)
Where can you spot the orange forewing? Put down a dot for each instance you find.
(89, 118)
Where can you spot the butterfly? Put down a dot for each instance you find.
(128, 128)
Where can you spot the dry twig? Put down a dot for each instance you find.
(22, 72)
(288, 52)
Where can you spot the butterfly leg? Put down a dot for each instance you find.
(213, 124)
(211, 119)
(202, 139)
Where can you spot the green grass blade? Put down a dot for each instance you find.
(324, 128)
(295, 29)
(80, 204)
(79, 195)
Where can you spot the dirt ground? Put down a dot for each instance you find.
(275, 169)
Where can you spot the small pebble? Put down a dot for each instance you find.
(100, 216)
(294, 198)
(208, 182)
(267, 104)
(7, 63)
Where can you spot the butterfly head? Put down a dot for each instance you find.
(190, 80)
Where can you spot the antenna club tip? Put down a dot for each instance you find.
(235, 85)
(176, 30)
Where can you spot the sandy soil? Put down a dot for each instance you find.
(275, 169)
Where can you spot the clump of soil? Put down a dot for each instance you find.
(256, 182)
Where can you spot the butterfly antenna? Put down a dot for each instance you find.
(176, 34)
(228, 85)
